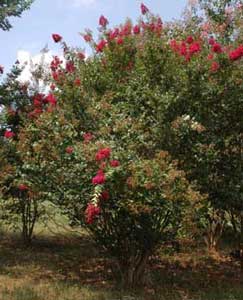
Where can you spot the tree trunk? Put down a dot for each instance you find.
(132, 273)
(29, 218)
(214, 231)
(241, 244)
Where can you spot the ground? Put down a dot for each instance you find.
(68, 266)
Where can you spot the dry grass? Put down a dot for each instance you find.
(69, 268)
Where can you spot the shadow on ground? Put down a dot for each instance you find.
(76, 262)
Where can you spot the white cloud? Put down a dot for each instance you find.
(25, 58)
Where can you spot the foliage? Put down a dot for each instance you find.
(12, 8)
(139, 141)
(20, 190)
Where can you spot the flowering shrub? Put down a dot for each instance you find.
(129, 139)
(152, 100)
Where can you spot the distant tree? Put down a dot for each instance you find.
(21, 199)
(12, 8)
(219, 12)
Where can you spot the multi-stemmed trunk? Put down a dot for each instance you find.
(29, 212)
(132, 270)
(214, 231)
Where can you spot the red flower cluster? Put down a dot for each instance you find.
(103, 165)
(56, 37)
(121, 33)
(211, 41)
(69, 150)
(115, 163)
(114, 34)
(194, 48)
(214, 66)
(103, 154)
(87, 37)
(52, 86)
(23, 187)
(236, 54)
(103, 21)
(105, 195)
(210, 56)
(174, 45)
(8, 134)
(99, 178)
(55, 63)
(120, 41)
(91, 212)
(81, 55)
(216, 47)
(189, 40)
(126, 30)
(58, 75)
(70, 68)
(136, 29)
(155, 27)
(101, 45)
(39, 100)
(186, 49)
(87, 137)
(77, 82)
(51, 99)
(35, 113)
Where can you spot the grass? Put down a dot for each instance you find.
(67, 266)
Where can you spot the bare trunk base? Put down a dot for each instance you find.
(132, 274)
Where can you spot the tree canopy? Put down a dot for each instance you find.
(12, 8)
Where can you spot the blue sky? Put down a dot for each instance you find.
(68, 17)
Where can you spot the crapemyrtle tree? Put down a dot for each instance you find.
(132, 196)
(154, 86)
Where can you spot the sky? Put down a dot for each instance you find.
(33, 30)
